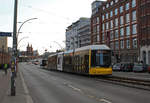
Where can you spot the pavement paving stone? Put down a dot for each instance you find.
(5, 96)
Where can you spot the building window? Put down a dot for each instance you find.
(97, 20)
(102, 36)
(112, 45)
(97, 28)
(127, 6)
(121, 9)
(111, 35)
(127, 30)
(116, 11)
(133, 3)
(111, 24)
(121, 20)
(116, 1)
(116, 22)
(134, 43)
(111, 13)
(127, 18)
(112, 2)
(121, 44)
(107, 25)
(107, 5)
(116, 34)
(134, 29)
(106, 15)
(133, 15)
(117, 45)
(121, 32)
(103, 17)
(98, 38)
(128, 43)
(103, 7)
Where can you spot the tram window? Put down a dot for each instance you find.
(102, 59)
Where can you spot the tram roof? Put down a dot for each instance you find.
(68, 51)
(93, 47)
(52, 55)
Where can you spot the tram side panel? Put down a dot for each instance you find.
(81, 62)
(68, 63)
(60, 62)
(52, 62)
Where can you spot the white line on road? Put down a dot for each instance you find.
(104, 100)
(28, 97)
(74, 88)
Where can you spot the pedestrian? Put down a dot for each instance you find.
(5, 68)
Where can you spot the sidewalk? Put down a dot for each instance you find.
(5, 89)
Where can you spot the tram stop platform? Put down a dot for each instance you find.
(140, 76)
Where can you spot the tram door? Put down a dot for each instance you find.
(60, 62)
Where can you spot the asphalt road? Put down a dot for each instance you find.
(57, 87)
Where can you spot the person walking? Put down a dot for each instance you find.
(5, 68)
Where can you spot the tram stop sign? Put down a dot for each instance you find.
(4, 34)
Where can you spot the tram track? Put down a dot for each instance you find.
(129, 82)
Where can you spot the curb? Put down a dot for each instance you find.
(28, 97)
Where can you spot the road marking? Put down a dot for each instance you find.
(28, 97)
(74, 88)
(104, 100)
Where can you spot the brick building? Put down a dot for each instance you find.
(144, 30)
(115, 24)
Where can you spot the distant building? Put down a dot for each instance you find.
(4, 55)
(29, 50)
(3, 44)
(28, 54)
(73, 38)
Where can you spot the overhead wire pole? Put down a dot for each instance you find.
(15, 28)
(14, 57)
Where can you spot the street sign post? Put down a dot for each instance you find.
(8, 34)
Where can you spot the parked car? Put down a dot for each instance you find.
(116, 67)
(127, 67)
(148, 68)
(139, 67)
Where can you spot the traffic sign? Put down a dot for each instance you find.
(6, 34)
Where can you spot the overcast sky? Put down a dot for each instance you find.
(54, 16)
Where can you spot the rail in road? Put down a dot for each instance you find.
(125, 81)
(131, 82)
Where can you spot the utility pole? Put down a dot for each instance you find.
(15, 28)
(14, 57)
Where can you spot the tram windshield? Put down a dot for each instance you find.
(101, 58)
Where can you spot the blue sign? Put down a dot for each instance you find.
(5, 34)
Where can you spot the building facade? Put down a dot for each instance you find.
(84, 33)
(4, 54)
(144, 30)
(116, 26)
(3, 44)
(72, 33)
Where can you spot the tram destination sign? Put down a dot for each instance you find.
(9, 34)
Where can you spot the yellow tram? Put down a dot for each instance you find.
(88, 60)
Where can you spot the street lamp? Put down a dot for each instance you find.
(23, 24)
(22, 39)
(58, 44)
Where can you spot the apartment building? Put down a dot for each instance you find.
(115, 24)
(75, 34)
